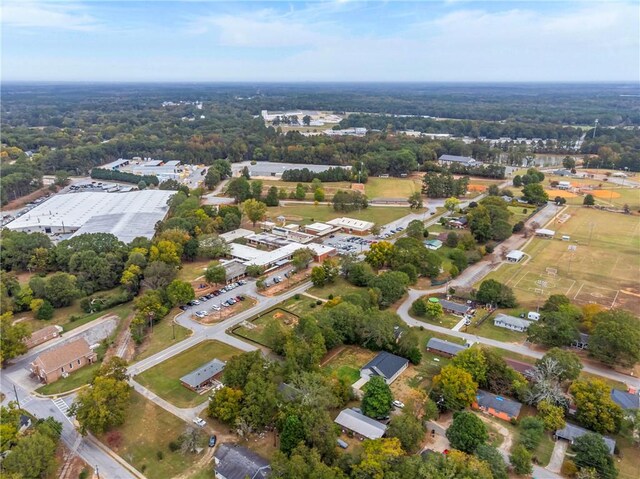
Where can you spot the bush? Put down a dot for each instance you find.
(569, 468)
(331, 296)
(319, 302)
(143, 468)
(312, 305)
(84, 474)
(296, 296)
(160, 455)
(45, 312)
(174, 446)
(519, 226)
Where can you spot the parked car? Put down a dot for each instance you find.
(215, 307)
(198, 421)
(398, 404)
(196, 302)
(212, 441)
(184, 307)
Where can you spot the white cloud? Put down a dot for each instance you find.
(54, 15)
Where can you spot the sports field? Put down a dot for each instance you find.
(599, 264)
(392, 187)
(308, 213)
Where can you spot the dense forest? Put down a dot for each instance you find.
(76, 127)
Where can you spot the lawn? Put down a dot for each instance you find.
(603, 268)
(629, 462)
(79, 378)
(301, 306)
(488, 330)
(339, 288)
(259, 330)
(122, 311)
(147, 430)
(306, 213)
(162, 336)
(347, 362)
(446, 320)
(164, 378)
(392, 187)
(330, 188)
(193, 269)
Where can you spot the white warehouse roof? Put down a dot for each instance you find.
(126, 215)
(250, 255)
(351, 223)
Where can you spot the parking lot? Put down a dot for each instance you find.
(218, 300)
(345, 243)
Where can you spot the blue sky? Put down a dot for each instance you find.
(470, 41)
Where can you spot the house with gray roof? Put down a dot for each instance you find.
(360, 424)
(498, 406)
(571, 432)
(444, 348)
(237, 462)
(511, 322)
(625, 400)
(455, 308)
(386, 365)
(204, 376)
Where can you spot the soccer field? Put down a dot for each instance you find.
(599, 264)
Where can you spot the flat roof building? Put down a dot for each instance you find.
(319, 229)
(125, 215)
(277, 257)
(463, 160)
(235, 234)
(350, 225)
(545, 233)
(360, 424)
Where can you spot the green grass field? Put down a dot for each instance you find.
(347, 363)
(191, 270)
(391, 187)
(79, 378)
(306, 213)
(602, 269)
(147, 430)
(162, 336)
(164, 378)
(259, 330)
(329, 188)
(339, 288)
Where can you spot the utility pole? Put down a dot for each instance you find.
(97, 472)
(17, 398)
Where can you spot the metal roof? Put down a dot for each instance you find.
(511, 320)
(516, 254)
(204, 373)
(386, 364)
(360, 424)
(498, 403)
(457, 159)
(351, 223)
(445, 346)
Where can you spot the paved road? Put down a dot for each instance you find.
(16, 376)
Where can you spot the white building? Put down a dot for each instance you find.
(278, 257)
(349, 225)
(511, 322)
(515, 256)
(545, 233)
(125, 215)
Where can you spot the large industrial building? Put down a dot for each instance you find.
(125, 215)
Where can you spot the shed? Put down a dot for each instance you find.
(360, 424)
(515, 256)
(497, 406)
(386, 365)
(433, 244)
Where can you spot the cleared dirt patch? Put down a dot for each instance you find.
(479, 188)
(561, 194)
(605, 194)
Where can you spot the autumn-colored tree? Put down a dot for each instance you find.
(595, 408)
(474, 362)
(454, 388)
(377, 457)
(254, 209)
(225, 404)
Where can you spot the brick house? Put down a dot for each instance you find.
(497, 406)
(63, 360)
(42, 336)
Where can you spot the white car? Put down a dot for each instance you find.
(198, 421)
(398, 404)
(196, 302)
(215, 307)
(201, 314)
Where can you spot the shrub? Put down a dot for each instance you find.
(319, 302)
(569, 468)
(296, 296)
(174, 446)
(83, 474)
(312, 305)
(160, 455)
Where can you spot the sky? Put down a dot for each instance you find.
(332, 41)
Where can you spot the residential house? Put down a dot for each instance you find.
(232, 461)
(458, 223)
(455, 308)
(511, 322)
(359, 424)
(582, 342)
(63, 360)
(386, 365)
(625, 399)
(497, 406)
(444, 348)
(204, 376)
(571, 432)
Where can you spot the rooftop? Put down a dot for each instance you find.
(235, 234)
(258, 257)
(455, 307)
(233, 269)
(512, 320)
(204, 373)
(386, 364)
(571, 432)
(457, 159)
(319, 227)
(37, 336)
(486, 399)
(625, 400)
(445, 346)
(238, 462)
(360, 424)
(515, 254)
(54, 358)
(351, 223)
(545, 232)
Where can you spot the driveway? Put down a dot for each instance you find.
(557, 456)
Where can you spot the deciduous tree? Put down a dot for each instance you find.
(377, 398)
(595, 408)
(454, 388)
(467, 432)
